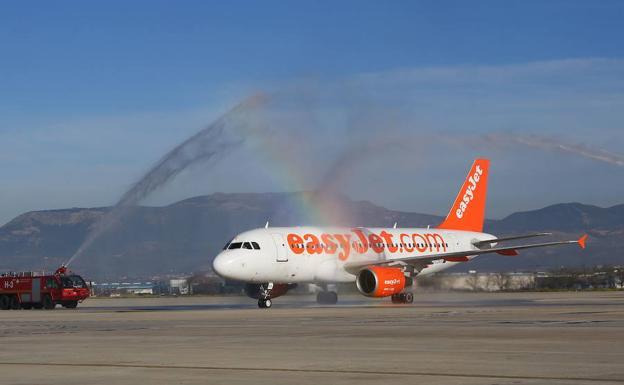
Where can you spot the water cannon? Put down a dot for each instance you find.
(61, 270)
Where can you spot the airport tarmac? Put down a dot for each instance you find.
(443, 338)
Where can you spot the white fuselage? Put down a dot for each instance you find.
(323, 255)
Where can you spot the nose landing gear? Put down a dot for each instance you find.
(265, 303)
(406, 297)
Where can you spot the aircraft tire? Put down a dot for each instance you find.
(406, 297)
(265, 303)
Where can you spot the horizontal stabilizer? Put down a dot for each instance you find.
(582, 241)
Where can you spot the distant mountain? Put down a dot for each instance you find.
(185, 236)
(566, 221)
(565, 217)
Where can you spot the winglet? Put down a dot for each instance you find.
(581, 241)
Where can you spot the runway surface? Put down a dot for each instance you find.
(443, 338)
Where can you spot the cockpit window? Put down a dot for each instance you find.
(242, 245)
(227, 244)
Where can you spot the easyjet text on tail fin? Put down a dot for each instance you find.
(468, 211)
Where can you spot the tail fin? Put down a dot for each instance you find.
(468, 211)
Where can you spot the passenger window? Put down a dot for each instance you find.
(235, 245)
(247, 245)
(255, 245)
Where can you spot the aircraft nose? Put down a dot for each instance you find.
(222, 265)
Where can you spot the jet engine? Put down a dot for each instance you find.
(255, 290)
(376, 281)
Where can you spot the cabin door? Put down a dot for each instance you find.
(280, 246)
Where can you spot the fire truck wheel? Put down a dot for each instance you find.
(47, 302)
(4, 302)
(38, 305)
(70, 304)
(27, 306)
(15, 304)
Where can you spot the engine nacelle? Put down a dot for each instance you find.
(253, 289)
(376, 281)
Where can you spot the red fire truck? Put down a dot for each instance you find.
(29, 290)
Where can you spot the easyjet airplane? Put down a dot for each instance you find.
(381, 261)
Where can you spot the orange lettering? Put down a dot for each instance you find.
(435, 240)
(362, 246)
(313, 246)
(343, 240)
(388, 237)
(376, 243)
(420, 247)
(405, 239)
(295, 242)
(330, 245)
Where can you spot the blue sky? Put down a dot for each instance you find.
(95, 92)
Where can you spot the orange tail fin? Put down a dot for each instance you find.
(468, 211)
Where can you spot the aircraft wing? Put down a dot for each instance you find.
(514, 238)
(419, 262)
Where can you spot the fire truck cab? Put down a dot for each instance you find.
(29, 290)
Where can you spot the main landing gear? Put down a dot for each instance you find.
(327, 297)
(406, 297)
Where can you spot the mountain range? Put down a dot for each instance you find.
(185, 236)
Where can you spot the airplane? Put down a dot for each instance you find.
(381, 261)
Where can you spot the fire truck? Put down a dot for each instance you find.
(29, 290)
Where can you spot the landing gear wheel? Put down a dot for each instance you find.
(14, 303)
(264, 303)
(4, 302)
(47, 302)
(403, 297)
(327, 297)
